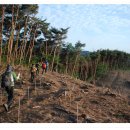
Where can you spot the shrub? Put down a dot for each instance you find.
(102, 69)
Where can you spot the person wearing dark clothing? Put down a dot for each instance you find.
(7, 82)
(47, 65)
(10, 93)
(37, 67)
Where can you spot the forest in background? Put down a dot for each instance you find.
(27, 39)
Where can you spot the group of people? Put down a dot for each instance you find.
(9, 77)
(35, 69)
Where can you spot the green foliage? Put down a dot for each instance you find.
(49, 58)
(66, 56)
(4, 59)
(102, 69)
(61, 68)
(90, 78)
(35, 60)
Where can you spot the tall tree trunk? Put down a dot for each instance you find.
(1, 31)
(91, 68)
(86, 76)
(25, 45)
(46, 48)
(16, 45)
(11, 39)
(95, 67)
(58, 56)
(75, 64)
(52, 50)
(67, 62)
(23, 42)
(12, 36)
(31, 48)
(53, 58)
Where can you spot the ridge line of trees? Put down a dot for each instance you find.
(26, 39)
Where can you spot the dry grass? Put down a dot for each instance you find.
(44, 103)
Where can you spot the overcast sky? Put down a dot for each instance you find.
(99, 26)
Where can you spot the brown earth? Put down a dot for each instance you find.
(119, 81)
(58, 98)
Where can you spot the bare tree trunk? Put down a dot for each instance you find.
(91, 68)
(82, 73)
(31, 49)
(58, 56)
(95, 68)
(46, 47)
(86, 76)
(51, 50)
(25, 45)
(67, 62)
(11, 40)
(42, 50)
(30, 56)
(75, 64)
(23, 42)
(16, 45)
(1, 40)
(10, 44)
(53, 58)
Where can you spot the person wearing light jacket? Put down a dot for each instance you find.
(8, 82)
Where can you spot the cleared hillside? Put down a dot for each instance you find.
(59, 98)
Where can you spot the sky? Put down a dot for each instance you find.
(98, 26)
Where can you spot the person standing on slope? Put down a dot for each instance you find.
(47, 65)
(43, 67)
(33, 72)
(37, 67)
(8, 82)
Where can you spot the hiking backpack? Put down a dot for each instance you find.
(47, 64)
(44, 66)
(37, 65)
(6, 80)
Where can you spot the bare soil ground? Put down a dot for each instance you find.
(58, 98)
(118, 81)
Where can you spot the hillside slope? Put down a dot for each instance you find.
(116, 80)
(60, 99)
